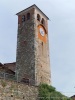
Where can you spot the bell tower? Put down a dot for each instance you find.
(32, 59)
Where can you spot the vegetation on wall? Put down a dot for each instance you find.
(47, 92)
(3, 83)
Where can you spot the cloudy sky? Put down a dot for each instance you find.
(61, 37)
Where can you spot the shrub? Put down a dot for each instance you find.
(47, 92)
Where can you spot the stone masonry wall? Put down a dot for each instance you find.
(25, 61)
(42, 63)
(10, 90)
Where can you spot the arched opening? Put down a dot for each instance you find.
(43, 21)
(23, 18)
(38, 17)
(28, 16)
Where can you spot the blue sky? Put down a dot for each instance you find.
(61, 37)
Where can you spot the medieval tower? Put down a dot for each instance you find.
(32, 62)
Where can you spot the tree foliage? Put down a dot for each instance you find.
(47, 92)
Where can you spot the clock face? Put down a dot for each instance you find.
(42, 32)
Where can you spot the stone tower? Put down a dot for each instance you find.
(32, 62)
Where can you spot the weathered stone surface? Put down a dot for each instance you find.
(17, 91)
(25, 51)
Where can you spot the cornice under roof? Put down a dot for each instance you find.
(32, 7)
